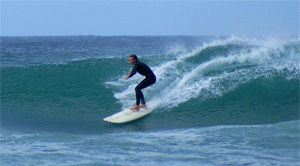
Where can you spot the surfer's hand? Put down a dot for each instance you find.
(126, 77)
(130, 72)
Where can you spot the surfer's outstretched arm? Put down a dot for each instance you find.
(132, 72)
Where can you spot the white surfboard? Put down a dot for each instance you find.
(128, 115)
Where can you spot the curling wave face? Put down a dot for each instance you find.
(215, 81)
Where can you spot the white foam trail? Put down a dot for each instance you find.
(126, 97)
(192, 83)
(176, 84)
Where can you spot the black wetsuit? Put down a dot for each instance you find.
(150, 79)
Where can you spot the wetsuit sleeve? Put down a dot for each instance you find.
(133, 70)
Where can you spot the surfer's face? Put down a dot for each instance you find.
(132, 60)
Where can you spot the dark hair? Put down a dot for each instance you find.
(134, 57)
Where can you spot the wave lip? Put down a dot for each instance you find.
(225, 81)
(232, 62)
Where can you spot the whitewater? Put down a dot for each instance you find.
(218, 101)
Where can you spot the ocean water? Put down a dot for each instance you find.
(218, 101)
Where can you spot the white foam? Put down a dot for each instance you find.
(177, 84)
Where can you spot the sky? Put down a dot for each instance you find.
(153, 18)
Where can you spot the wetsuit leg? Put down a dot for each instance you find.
(143, 84)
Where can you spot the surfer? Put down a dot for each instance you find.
(150, 79)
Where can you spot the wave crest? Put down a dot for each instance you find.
(216, 68)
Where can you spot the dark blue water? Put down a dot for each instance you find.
(220, 101)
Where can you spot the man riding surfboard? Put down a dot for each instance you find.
(150, 79)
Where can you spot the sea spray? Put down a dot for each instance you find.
(212, 82)
(219, 101)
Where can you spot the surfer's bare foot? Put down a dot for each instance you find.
(143, 106)
(135, 108)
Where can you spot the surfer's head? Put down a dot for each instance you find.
(133, 58)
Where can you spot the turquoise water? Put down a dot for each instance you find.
(220, 101)
(276, 144)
